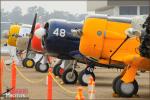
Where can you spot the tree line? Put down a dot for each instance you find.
(16, 16)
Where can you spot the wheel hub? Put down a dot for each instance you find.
(86, 78)
(43, 67)
(29, 63)
(127, 88)
(70, 76)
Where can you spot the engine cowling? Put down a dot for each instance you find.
(36, 43)
(59, 40)
(13, 34)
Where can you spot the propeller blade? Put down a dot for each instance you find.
(31, 33)
(33, 25)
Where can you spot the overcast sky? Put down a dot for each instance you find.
(70, 6)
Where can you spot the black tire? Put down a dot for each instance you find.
(37, 64)
(23, 61)
(121, 92)
(66, 76)
(81, 76)
(114, 83)
(8, 64)
(39, 67)
(54, 69)
(26, 61)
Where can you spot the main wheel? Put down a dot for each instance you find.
(29, 63)
(43, 68)
(84, 78)
(23, 61)
(114, 83)
(69, 76)
(126, 89)
(54, 69)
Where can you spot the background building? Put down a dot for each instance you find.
(119, 7)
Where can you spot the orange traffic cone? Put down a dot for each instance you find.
(91, 89)
(79, 95)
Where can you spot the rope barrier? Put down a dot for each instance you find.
(68, 91)
(37, 81)
(28, 80)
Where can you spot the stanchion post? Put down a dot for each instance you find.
(1, 75)
(13, 80)
(49, 92)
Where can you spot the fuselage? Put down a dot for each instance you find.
(103, 38)
(60, 42)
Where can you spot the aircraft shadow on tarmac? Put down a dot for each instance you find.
(104, 84)
(104, 78)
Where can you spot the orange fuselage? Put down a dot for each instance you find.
(101, 36)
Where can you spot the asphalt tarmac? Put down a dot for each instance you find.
(104, 78)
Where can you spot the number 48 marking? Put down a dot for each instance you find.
(60, 32)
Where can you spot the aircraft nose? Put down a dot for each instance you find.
(37, 39)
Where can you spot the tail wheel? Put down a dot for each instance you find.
(84, 78)
(126, 89)
(29, 63)
(43, 68)
(70, 76)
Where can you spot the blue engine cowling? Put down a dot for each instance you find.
(60, 42)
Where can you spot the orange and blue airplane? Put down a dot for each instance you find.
(104, 39)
